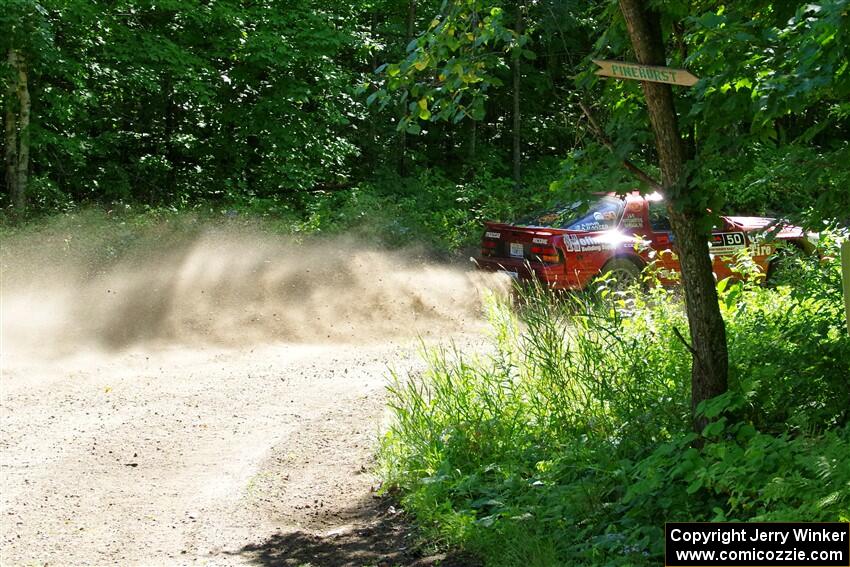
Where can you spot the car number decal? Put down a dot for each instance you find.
(726, 242)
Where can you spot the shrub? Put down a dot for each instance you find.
(569, 441)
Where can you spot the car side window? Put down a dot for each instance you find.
(658, 218)
(602, 215)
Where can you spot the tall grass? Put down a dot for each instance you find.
(569, 442)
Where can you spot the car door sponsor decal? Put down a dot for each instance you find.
(633, 221)
(576, 243)
(590, 226)
(761, 249)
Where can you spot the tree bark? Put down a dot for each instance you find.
(517, 73)
(710, 364)
(473, 140)
(17, 136)
(11, 133)
(411, 29)
(473, 126)
(169, 135)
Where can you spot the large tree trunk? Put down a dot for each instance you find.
(517, 73)
(11, 134)
(17, 136)
(708, 335)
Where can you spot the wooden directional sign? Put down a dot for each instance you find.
(636, 72)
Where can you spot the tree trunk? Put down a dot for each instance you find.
(169, 135)
(710, 363)
(11, 134)
(473, 124)
(411, 29)
(23, 136)
(473, 140)
(17, 137)
(517, 140)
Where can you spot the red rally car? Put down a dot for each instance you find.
(567, 249)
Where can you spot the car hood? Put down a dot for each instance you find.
(767, 223)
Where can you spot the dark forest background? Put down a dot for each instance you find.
(336, 114)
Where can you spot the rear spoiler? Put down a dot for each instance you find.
(536, 231)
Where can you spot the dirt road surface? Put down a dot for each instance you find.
(204, 457)
(178, 394)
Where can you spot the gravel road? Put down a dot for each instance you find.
(208, 395)
(203, 457)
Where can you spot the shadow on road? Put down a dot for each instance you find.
(379, 536)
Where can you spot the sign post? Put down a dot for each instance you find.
(651, 73)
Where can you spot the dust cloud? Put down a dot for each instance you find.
(224, 286)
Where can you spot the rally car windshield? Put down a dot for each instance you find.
(602, 215)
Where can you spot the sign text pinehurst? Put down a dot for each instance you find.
(636, 72)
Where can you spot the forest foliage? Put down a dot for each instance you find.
(282, 105)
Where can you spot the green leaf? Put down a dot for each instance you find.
(714, 428)
(695, 485)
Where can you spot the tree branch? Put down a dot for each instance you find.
(684, 342)
(603, 139)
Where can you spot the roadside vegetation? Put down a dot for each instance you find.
(430, 211)
(571, 442)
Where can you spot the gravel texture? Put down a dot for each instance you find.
(208, 456)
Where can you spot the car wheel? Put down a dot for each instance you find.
(620, 273)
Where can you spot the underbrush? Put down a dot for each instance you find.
(570, 442)
(431, 209)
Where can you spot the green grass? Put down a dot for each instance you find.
(570, 442)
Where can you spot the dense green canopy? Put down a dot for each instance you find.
(174, 102)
